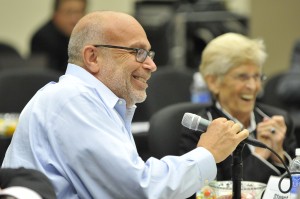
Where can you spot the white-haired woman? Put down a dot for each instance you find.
(231, 65)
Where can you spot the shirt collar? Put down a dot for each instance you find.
(252, 125)
(109, 98)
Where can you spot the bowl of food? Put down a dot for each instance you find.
(8, 123)
(249, 189)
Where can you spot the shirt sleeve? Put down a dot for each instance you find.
(97, 155)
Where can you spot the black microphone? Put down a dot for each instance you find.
(197, 123)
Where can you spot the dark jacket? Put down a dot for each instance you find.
(53, 44)
(254, 168)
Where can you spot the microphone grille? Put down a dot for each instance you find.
(191, 121)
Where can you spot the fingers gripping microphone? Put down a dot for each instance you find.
(197, 123)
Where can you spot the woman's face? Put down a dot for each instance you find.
(238, 89)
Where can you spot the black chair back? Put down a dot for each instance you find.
(166, 86)
(165, 128)
(269, 95)
(18, 85)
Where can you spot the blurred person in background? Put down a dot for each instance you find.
(52, 39)
(232, 65)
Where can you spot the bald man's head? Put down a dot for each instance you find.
(103, 27)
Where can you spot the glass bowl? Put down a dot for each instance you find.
(249, 189)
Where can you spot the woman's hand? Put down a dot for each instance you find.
(271, 131)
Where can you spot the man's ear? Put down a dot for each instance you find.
(212, 82)
(91, 59)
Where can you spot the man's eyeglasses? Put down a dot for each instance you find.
(141, 54)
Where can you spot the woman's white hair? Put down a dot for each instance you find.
(230, 50)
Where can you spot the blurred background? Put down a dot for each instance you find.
(178, 29)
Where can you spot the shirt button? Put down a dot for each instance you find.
(206, 181)
(120, 102)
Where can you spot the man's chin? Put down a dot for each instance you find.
(140, 101)
(140, 98)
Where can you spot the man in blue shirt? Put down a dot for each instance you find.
(78, 131)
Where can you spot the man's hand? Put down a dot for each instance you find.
(222, 137)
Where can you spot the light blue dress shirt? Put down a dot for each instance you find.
(77, 132)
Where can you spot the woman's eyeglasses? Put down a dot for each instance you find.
(245, 77)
